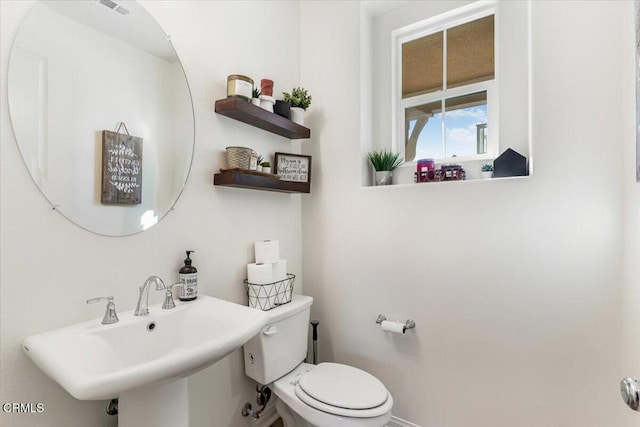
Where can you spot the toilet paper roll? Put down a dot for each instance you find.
(260, 274)
(280, 270)
(393, 327)
(267, 251)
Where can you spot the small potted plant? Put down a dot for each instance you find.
(299, 99)
(256, 97)
(384, 162)
(266, 167)
(487, 170)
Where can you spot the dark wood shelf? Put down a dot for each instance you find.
(256, 182)
(246, 112)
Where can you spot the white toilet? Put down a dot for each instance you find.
(324, 395)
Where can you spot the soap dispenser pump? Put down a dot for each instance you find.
(189, 279)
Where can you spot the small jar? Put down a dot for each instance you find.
(240, 86)
(424, 166)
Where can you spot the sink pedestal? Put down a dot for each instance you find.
(164, 405)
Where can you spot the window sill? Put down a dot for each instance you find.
(439, 183)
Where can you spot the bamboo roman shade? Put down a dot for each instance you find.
(422, 63)
(470, 58)
(470, 52)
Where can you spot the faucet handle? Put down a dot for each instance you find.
(110, 315)
(168, 299)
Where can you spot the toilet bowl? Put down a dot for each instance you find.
(323, 395)
(332, 395)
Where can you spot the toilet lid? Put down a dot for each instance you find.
(343, 386)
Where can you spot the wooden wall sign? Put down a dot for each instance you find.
(121, 169)
(293, 167)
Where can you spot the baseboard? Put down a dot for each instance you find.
(399, 422)
(269, 416)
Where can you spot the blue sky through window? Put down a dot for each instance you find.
(460, 133)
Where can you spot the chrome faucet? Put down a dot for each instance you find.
(168, 299)
(142, 309)
(110, 315)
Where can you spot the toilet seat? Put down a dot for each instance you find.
(343, 390)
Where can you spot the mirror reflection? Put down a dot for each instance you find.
(95, 87)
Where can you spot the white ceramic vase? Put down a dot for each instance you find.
(487, 175)
(266, 102)
(297, 115)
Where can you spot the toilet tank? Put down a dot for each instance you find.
(281, 344)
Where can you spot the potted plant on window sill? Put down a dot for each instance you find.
(299, 99)
(384, 162)
(487, 170)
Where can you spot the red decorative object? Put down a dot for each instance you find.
(266, 87)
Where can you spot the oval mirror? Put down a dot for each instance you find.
(101, 112)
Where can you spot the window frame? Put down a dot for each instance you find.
(440, 23)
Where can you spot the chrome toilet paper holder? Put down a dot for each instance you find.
(409, 324)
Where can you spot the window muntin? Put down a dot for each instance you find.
(446, 67)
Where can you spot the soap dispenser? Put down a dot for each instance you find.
(189, 279)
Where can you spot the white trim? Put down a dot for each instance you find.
(451, 18)
(399, 422)
(455, 92)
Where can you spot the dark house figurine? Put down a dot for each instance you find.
(510, 163)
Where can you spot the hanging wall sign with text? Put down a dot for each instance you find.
(293, 167)
(121, 169)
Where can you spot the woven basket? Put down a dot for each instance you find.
(238, 157)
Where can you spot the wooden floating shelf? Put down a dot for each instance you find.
(239, 179)
(246, 112)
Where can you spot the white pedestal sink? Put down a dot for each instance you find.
(144, 360)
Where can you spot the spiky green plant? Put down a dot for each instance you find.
(487, 167)
(384, 160)
(256, 92)
(299, 97)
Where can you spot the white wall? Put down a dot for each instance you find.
(631, 305)
(515, 285)
(49, 266)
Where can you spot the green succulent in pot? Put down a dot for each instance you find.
(299, 97)
(384, 160)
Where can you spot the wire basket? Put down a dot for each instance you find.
(271, 295)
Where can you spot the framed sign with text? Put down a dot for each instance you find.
(121, 169)
(293, 167)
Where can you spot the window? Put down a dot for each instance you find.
(446, 87)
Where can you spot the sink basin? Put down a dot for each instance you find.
(92, 361)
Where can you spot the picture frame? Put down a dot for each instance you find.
(293, 167)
